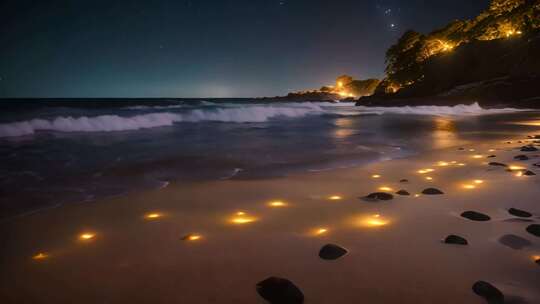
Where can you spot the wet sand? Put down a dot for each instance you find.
(134, 252)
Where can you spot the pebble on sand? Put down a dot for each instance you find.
(432, 191)
(332, 252)
(280, 291)
(534, 229)
(492, 156)
(489, 292)
(455, 239)
(519, 212)
(514, 241)
(521, 157)
(378, 196)
(475, 216)
(406, 180)
(403, 192)
(529, 173)
(497, 164)
(529, 148)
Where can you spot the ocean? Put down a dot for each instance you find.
(78, 152)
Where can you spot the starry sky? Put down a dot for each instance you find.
(202, 48)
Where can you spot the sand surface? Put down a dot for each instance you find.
(395, 249)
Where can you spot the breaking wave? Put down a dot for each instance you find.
(109, 123)
(239, 113)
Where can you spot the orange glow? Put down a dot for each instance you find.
(334, 198)
(442, 164)
(376, 176)
(385, 188)
(193, 237)
(468, 186)
(477, 156)
(373, 221)
(320, 231)
(86, 236)
(429, 178)
(40, 256)
(241, 218)
(478, 181)
(516, 168)
(277, 204)
(424, 171)
(152, 216)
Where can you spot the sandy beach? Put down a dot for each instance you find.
(213, 242)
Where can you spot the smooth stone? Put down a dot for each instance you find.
(529, 173)
(280, 291)
(432, 191)
(528, 149)
(514, 241)
(403, 192)
(332, 252)
(379, 196)
(519, 213)
(534, 229)
(492, 156)
(489, 292)
(498, 164)
(461, 149)
(404, 181)
(475, 216)
(455, 239)
(521, 157)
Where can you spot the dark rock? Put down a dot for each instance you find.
(536, 165)
(432, 191)
(534, 229)
(332, 252)
(489, 292)
(521, 157)
(404, 181)
(514, 241)
(519, 213)
(529, 173)
(280, 291)
(475, 216)
(403, 192)
(378, 196)
(537, 261)
(498, 164)
(461, 149)
(528, 149)
(492, 156)
(455, 239)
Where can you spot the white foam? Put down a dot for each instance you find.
(109, 123)
(236, 113)
(458, 110)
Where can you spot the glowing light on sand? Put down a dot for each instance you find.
(334, 198)
(385, 188)
(429, 178)
(424, 171)
(40, 256)
(376, 176)
(277, 204)
(417, 195)
(152, 216)
(477, 156)
(442, 164)
(491, 150)
(86, 236)
(241, 218)
(519, 174)
(472, 150)
(535, 257)
(513, 168)
(462, 164)
(478, 181)
(373, 221)
(453, 162)
(192, 237)
(320, 231)
(468, 186)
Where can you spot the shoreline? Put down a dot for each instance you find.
(129, 249)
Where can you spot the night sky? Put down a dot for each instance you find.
(227, 48)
